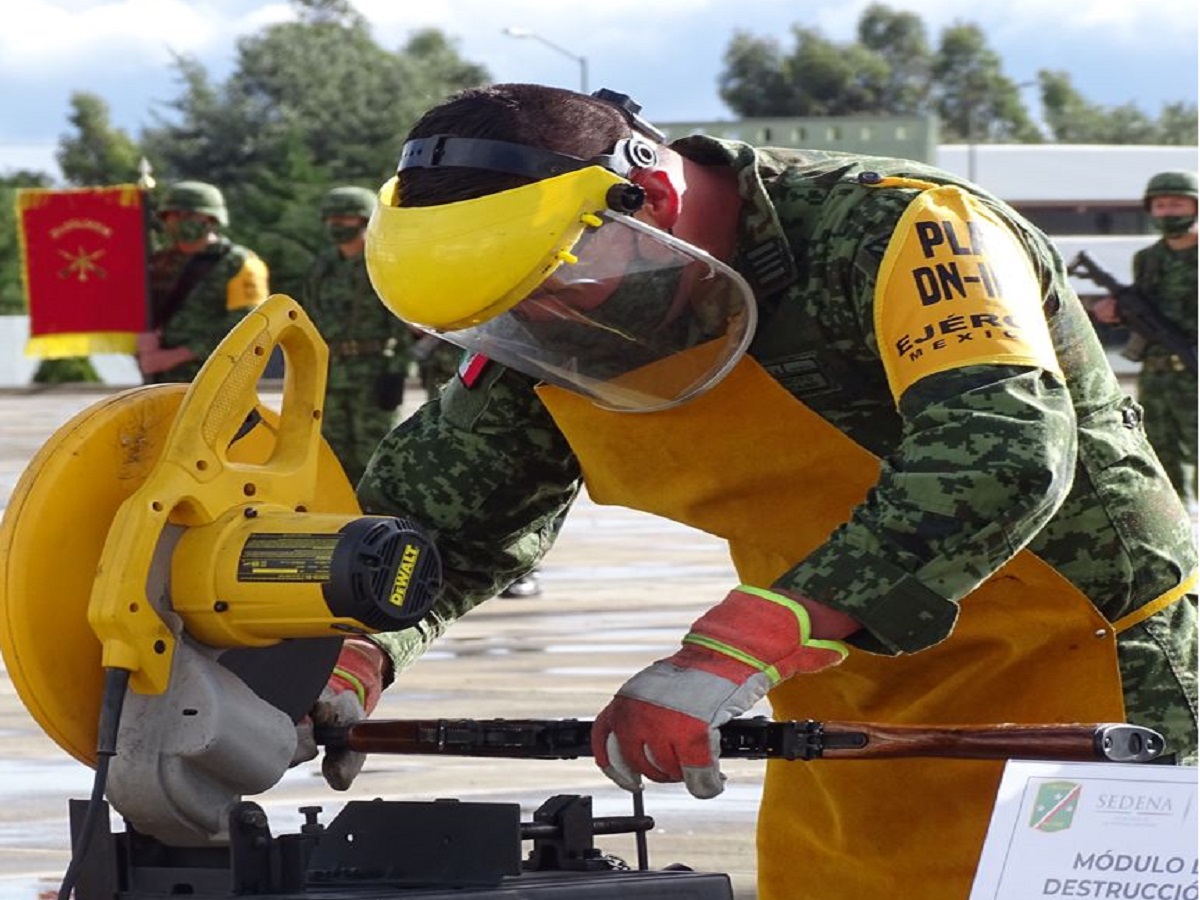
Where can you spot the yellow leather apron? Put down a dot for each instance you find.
(748, 462)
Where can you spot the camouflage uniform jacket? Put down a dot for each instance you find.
(977, 462)
(365, 340)
(232, 280)
(1167, 278)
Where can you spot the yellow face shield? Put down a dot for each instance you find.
(451, 266)
(639, 322)
(545, 279)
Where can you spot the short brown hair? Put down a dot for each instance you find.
(531, 114)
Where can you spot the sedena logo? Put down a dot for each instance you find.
(1055, 806)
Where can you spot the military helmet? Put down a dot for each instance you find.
(348, 201)
(1174, 184)
(195, 196)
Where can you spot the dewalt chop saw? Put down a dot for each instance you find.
(157, 559)
(178, 567)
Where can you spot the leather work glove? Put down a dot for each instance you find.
(664, 721)
(351, 694)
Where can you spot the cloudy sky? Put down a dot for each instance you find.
(666, 53)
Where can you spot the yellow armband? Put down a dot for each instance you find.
(956, 288)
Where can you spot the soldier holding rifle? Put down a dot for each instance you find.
(1164, 275)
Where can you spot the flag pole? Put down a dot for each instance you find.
(146, 183)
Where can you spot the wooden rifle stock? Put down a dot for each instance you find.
(1081, 743)
(760, 738)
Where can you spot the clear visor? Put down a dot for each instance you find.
(640, 321)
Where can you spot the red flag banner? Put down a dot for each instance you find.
(83, 260)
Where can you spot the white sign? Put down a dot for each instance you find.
(1095, 830)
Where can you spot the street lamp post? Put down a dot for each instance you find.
(514, 31)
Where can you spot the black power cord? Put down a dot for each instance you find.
(113, 698)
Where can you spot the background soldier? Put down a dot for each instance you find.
(1165, 275)
(368, 346)
(201, 284)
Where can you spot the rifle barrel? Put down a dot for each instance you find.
(759, 738)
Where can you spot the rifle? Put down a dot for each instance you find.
(1136, 311)
(759, 738)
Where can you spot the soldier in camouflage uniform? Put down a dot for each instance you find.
(941, 506)
(368, 346)
(1165, 274)
(201, 284)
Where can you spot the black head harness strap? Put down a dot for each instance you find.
(637, 151)
(446, 150)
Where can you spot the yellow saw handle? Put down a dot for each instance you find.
(195, 481)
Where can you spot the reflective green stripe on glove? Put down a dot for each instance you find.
(359, 668)
(663, 723)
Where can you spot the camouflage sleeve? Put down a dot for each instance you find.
(308, 295)
(1138, 266)
(323, 295)
(489, 474)
(986, 457)
(205, 317)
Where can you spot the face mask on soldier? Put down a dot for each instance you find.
(187, 230)
(341, 232)
(1173, 226)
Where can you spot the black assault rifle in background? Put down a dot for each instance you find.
(1136, 311)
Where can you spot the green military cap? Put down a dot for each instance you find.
(1174, 184)
(348, 201)
(195, 196)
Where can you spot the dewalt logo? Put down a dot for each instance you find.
(408, 564)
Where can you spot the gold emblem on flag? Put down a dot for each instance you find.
(82, 264)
